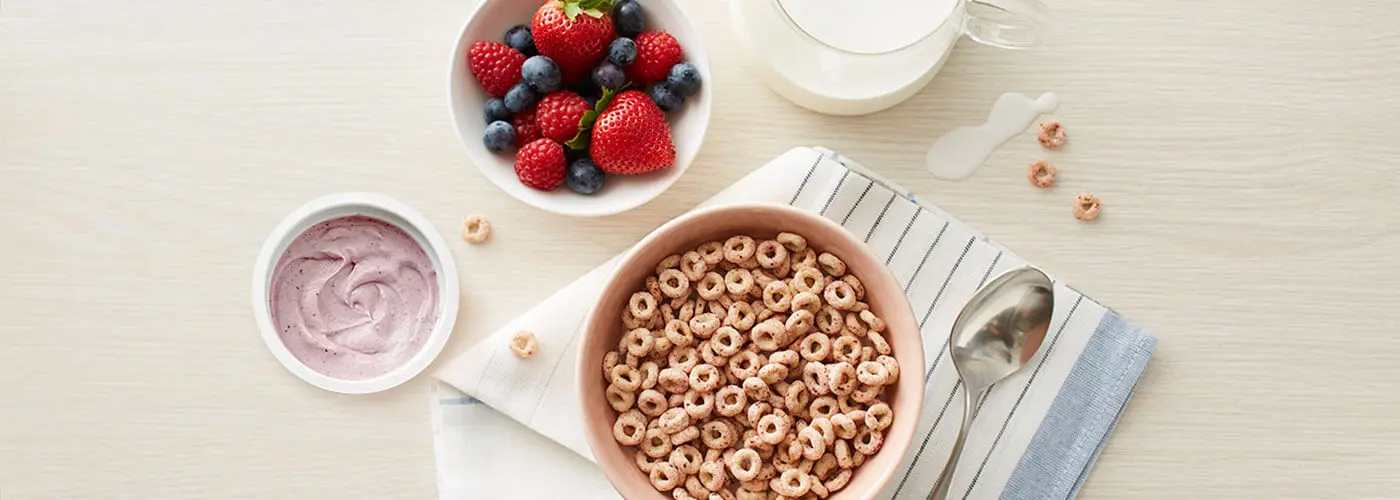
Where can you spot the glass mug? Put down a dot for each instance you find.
(853, 57)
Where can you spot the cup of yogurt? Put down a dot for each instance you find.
(355, 293)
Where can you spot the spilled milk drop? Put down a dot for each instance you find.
(956, 155)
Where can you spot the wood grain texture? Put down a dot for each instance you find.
(1244, 151)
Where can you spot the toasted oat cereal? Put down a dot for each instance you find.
(476, 229)
(1087, 206)
(1052, 134)
(1042, 173)
(523, 344)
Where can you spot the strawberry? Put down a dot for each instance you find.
(495, 66)
(526, 128)
(631, 136)
(558, 115)
(657, 51)
(574, 33)
(541, 165)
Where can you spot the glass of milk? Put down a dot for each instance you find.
(853, 57)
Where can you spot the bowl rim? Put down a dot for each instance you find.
(902, 306)
(319, 210)
(695, 54)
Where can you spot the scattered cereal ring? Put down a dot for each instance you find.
(771, 254)
(1042, 173)
(831, 265)
(816, 347)
(712, 252)
(653, 285)
(712, 475)
(866, 394)
(854, 326)
(610, 360)
(652, 403)
(629, 428)
(626, 378)
(639, 342)
(777, 296)
(673, 380)
(738, 281)
(741, 316)
(703, 325)
(693, 265)
(675, 400)
(823, 425)
(872, 320)
(869, 441)
(678, 333)
(686, 435)
(642, 305)
(686, 459)
(814, 377)
(805, 259)
(708, 354)
(808, 279)
(846, 349)
(843, 426)
(730, 401)
(674, 284)
(891, 366)
(879, 416)
(699, 404)
(840, 295)
(881, 346)
(767, 336)
(841, 378)
(838, 482)
(1052, 134)
(787, 357)
(664, 476)
(684, 358)
(711, 286)
(644, 462)
(829, 320)
(738, 249)
(1087, 206)
(670, 262)
(630, 321)
(744, 365)
(867, 353)
(718, 434)
(727, 341)
(523, 344)
(772, 373)
(744, 464)
(695, 488)
(806, 301)
(620, 399)
(756, 389)
(475, 229)
(793, 242)
(872, 373)
(797, 396)
(823, 407)
(705, 378)
(823, 468)
(656, 444)
(800, 322)
(792, 483)
(842, 449)
(673, 420)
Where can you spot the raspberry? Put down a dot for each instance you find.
(657, 51)
(541, 165)
(558, 115)
(495, 66)
(526, 128)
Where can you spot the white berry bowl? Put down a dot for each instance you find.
(467, 100)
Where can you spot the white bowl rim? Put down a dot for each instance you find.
(418, 227)
(699, 57)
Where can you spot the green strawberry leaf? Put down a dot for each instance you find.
(572, 10)
(585, 124)
(580, 140)
(595, 13)
(589, 117)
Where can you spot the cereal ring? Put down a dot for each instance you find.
(610, 360)
(825, 426)
(744, 464)
(858, 458)
(843, 426)
(801, 322)
(644, 462)
(822, 469)
(756, 411)
(762, 279)
(675, 400)
(629, 428)
(743, 365)
(891, 367)
(741, 316)
(724, 302)
(806, 465)
(693, 265)
(664, 476)
(788, 358)
(829, 320)
(681, 494)
(673, 380)
(708, 355)
(705, 378)
(867, 353)
(730, 401)
(752, 494)
(813, 445)
(712, 475)
(856, 285)
(1052, 134)
(711, 286)
(869, 441)
(831, 264)
(835, 484)
(660, 344)
(806, 301)
(683, 358)
(846, 349)
(653, 286)
(842, 451)
(704, 325)
(674, 284)
(818, 489)
(806, 259)
(686, 435)
(712, 252)
(629, 321)
(620, 399)
(856, 414)
(727, 341)
(673, 420)
(841, 378)
(738, 281)
(792, 483)
(686, 459)
(768, 335)
(656, 444)
(670, 262)
(639, 342)
(668, 312)
(816, 347)
(879, 416)
(770, 254)
(872, 373)
(866, 394)
(751, 264)
(872, 320)
(642, 305)
(1087, 206)
(651, 402)
(767, 471)
(678, 333)
(797, 397)
(823, 407)
(718, 434)
(695, 488)
(808, 279)
(881, 346)
(784, 269)
(756, 389)
(739, 248)
(686, 312)
(632, 361)
(792, 241)
(772, 428)
(772, 373)
(475, 229)
(626, 378)
(699, 404)
(777, 296)
(1042, 173)
(854, 326)
(840, 295)
(814, 377)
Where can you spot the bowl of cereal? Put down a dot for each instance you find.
(748, 349)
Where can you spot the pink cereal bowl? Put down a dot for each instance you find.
(603, 330)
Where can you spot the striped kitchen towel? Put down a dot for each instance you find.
(1036, 436)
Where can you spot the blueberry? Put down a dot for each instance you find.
(584, 176)
(496, 110)
(628, 18)
(664, 97)
(541, 73)
(519, 38)
(622, 51)
(608, 76)
(520, 97)
(684, 78)
(499, 136)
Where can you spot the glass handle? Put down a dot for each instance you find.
(1011, 24)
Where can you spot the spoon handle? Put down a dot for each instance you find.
(940, 490)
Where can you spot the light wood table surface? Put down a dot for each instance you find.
(1246, 154)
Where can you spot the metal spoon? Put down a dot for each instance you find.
(998, 331)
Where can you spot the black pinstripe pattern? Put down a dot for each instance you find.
(860, 199)
(900, 241)
(834, 192)
(881, 218)
(808, 177)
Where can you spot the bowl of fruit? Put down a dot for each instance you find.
(580, 107)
